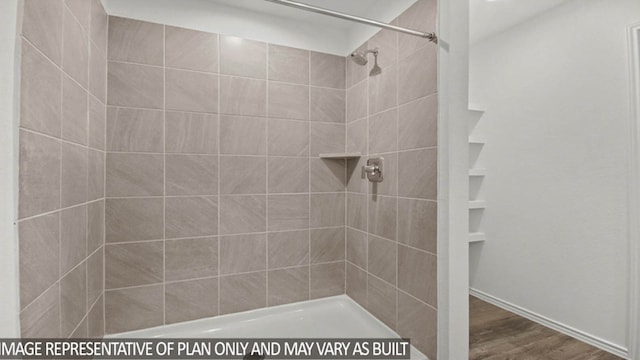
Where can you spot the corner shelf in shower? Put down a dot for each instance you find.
(475, 237)
(476, 140)
(477, 204)
(477, 172)
(341, 156)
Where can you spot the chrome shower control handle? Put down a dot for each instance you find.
(373, 169)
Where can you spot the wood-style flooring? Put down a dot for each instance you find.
(496, 334)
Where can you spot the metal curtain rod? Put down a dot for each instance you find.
(323, 11)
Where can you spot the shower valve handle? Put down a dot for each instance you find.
(373, 169)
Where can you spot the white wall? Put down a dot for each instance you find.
(556, 90)
(9, 308)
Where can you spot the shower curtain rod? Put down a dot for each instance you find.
(323, 11)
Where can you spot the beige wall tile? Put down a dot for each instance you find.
(191, 258)
(97, 72)
(243, 214)
(417, 274)
(191, 300)
(288, 212)
(133, 220)
(74, 112)
(357, 248)
(39, 256)
(97, 124)
(357, 101)
(39, 174)
(288, 64)
(96, 319)
(191, 91)
(191, 133)
(357, 181)
(288, 138)
(386, 41)
(327, 210)
(191, 216)
(381, 300)
(383, 90)
(95, 225)
(382, 258)
(134, 130)
(243, 135)
(288, 285)
(73, 299)
(327, 245)
(41, 319)
(287, 249)
(328, 105)
(42, 26)
(327, 175)
(133, 309)
(243, 292)
(327, 70)
(356, 73)
(288, 175)
(382, 216)
(288, 101)
(134, 175)
(95, 276)
(418, 181)
(383, 132)
(417, 124)
(40, 89)
(133, 264)
(99, 24)
(190, 49)
(421, 65)
(75, 50)
(417, 224)
(243, 175)
(135, 41)
(357, 284)
(73, 237)
(74, 177)
(241, 96)
(357, 211)
(191, 175)
(327, 138)
(421, 15)
(243, 253)
(135, 85)
(357, 140)
(243, 57)
(418, 322)
(327, 279)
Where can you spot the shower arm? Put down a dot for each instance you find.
(427, 35)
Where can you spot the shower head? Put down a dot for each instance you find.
(360, 58)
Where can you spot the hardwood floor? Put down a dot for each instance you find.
(496, 334)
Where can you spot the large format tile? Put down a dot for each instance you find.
(328, 105)
(243, 214)
(96, 175)
(191, 91)
(243, 253)
(135, 41)
(382, 258)
(243, 292)
(243, 57)
(74, 112)
(327, 138)
(418, 224)
(418, 174)
(419, 323)
(382, 216)
(191, 175)
(381, 300)
(192, 216)
(383, 90)
(97, 73)
(356, 280)
(241, 96)
(357, 211)
(95, 225)
(191, 300)
(95, 319)
(39, 174)
(327, 279)
(75, 176)
(327, 210)
(418, 124)
(133, 219)
(420, 65)
(288, 175)
(386, 41)
(190, 49)
(191, 258)
(357, 248)
(75, 50)
(191, 133)
(327, 70)
(241, 135)
(73, 237)
(99, 24)
(421, 15)
(135, 85)
(327, 175)
(97, 124)
(287, 249)
(133, 264)
(134, 175)
(39, 254)
(288, 64)
(288, 101)
(383, 136)
(40, 91)
(133, 309)
(357, 102)
(327, 245)
(42, 26)
(417, 274)
(134, 130)
(95, 276)
(41, 319)
(288, 285)
(73, 299)
(357, 136)
(243, 175)
(288, 212)
(288, 138)
(356, 73)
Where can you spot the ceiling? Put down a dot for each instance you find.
(490, 17)
(265, 21)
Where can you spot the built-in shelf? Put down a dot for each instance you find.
(477, 204)
(477, 107)
(476, 140)
(478, 172)
(341, 156)
(477, 237)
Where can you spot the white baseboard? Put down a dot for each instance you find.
(552, 324)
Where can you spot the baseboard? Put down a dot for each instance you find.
(552, 324)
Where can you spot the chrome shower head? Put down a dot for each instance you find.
(360, 58)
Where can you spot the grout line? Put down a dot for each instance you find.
(218, 175)
(266, 151)
(60, 187)
(164, 177)
(309, 162)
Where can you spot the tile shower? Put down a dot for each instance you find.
(168, 175)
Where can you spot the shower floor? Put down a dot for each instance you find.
(334, 317)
